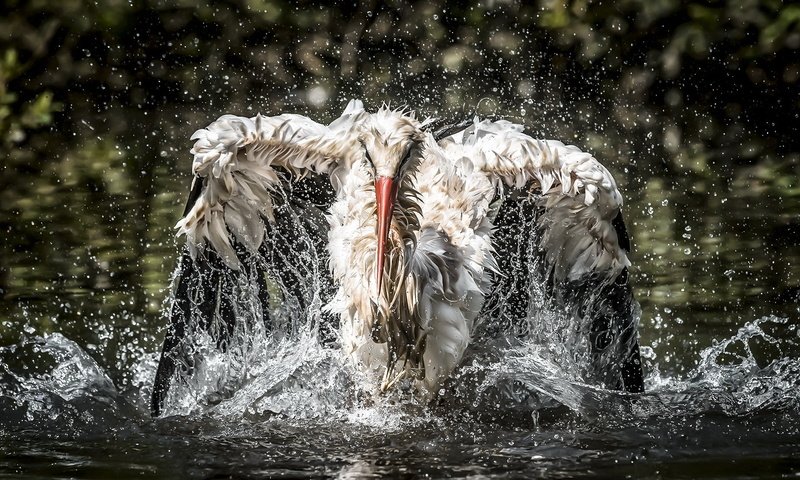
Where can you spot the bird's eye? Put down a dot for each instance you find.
(369, 159)
(406, 157)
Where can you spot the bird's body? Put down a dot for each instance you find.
(410, 230)
(437, 271)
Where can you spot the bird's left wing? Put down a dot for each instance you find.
(574, 207)
(258, 182)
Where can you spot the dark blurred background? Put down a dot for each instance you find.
(692, 105)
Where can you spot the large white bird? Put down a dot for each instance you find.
(415, 233)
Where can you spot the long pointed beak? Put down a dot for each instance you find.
(385, 193)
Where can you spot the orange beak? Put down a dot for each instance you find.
(385, 194)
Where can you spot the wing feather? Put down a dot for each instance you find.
(237, 157)
(578, 194)
(246, 201)
(575, 205)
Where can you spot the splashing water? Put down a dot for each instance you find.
(50, 382)
(291, 374)
(300, 395)
(285, 395)
(296, 410)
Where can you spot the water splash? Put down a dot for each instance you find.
(749, 372)
(51, 382)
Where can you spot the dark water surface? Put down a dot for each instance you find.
(63, 417)
(716, 273)
(88, 250)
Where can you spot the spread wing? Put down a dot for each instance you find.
(559, 221)
(256, 208)
(239, 160)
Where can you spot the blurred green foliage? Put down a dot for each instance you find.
(715, 78)
(16, 118)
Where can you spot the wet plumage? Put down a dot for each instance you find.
(411, 232)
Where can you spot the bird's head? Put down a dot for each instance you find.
(391, 142)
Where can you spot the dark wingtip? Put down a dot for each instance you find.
(442, 129)
(160, 389)
(448, 129)
(194, 194)
(631, 369)
(631, 372)
(176, 331)
(166, 364)
(622, 233)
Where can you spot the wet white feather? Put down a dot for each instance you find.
(579, 195)
(440, 261)
(236, 158)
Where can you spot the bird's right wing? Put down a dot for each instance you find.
(237, 160)
(572, 206)
(255, 210)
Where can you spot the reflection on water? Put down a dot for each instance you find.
(87, 256)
